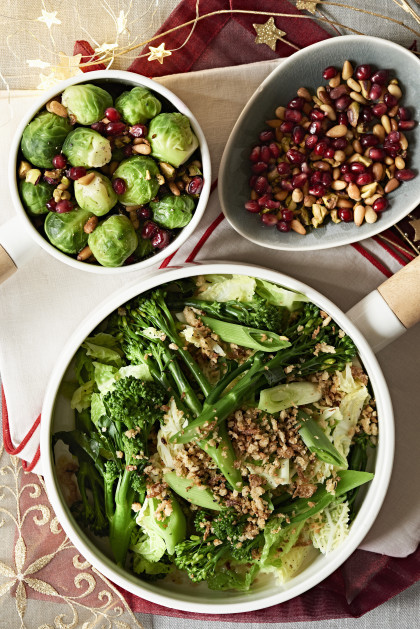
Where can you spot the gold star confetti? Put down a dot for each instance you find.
(268, 33)
(68, 67)
(49, 18)
(307, 5)
(158, 54)
(416, 226)
(37, 63)
(106, 48)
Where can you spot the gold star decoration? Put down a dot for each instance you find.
(158, 54)
(416, 226)
(66, 68)
(49, 18)
(307, 5)
(268, 33)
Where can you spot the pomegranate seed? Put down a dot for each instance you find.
(364, 178)
(326, 179)
(252, 206)
(112, 114)
(311, 141)
(350, 177)
(293, 115)
(329, 73)
(149, 229)
(263, 200)
(195, 186)
(100, 127)
(378, 155)
(321, 148)
(393, 138)
(406, 125)
(261, 185)
(144, 212)
(119, 185)
(342, 103)
(259, 168)
(405, 174)
(316, 114)
(265, 154)
(363, 72)
(283, 226)
(390, 100)
(380, 204)
(286, 126)
(329, 153)
(375, 91)
(367, 115)
(51, 205)
(128, 151)
(294, 156)
(115, 128)
(254, 156)
(59, 161)
(299, 181)
(379, 109)
(287, 215)
(404, 113)
(138, 131)
(369, 139)
(76, 172)
(64, 206)
(296, 103)
(317, 190)
(272, 205)
(305, 168)
(269, 219)
(392, 150)
(345, 168)
(49, 180)
(298, 134)
(380, 77)
(266, 136)
(315, 127)
(357, 167)
(286, 185)
(274, 150)
(161, 239)
(345, 214)
(130, 260)
(283, 168)
(342, 119)
(339, 144)
(316, 177)
(252, 181)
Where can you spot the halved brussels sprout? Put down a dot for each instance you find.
(98, 196)
(43, 138)
(34, 198)
(140, 176)
(86, 147)
(65, 231)
(113, 241)
(86, 102)
(138, 105)
(172, 212)
(171, 138)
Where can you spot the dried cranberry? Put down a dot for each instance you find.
(380, 204)
(149, 229)
(195, 186)
(363, 72)
(380, 77)
(345, 214)
(115, 128)
(76, 172)
(252, 206)
(119, 185)
(138, 131)
(329, 73)
(112, 114)
(64, 206)
(283, 226)
(59, 161)
(51, 205)
(266, 136)
(269, 219)
(161, 239)
(100, 127)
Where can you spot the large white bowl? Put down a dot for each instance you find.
(56, 415)
(129, 79)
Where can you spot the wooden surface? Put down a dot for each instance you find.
(402, 293)
(7, 266)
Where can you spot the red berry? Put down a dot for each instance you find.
(51, 205)
(320, 148)
(295, 157)
(299, 181)
(350, 177)
(345, 214)
(195, 186)
(283, 168)
(311, 141)
(390, 100)
(375, 91)
(342, 103)
(380, 77)
(266, 136)
(287, 215)
(272, 205)
(339, 144)
(269, 219)
(329, 73)
(317, 114)
(318, 190)
(59, 161)
(405, 174)
(112, 114)
(128, 151)
(252, 206)
(274, 150)
(76, 172)
(378, 155)
(262, 201)
(283, 226)
(100, 127)
(369, 139)
(393, 138)
(363, 179)
(315, 127)
(379, 109)
(64, 206)
(115, 128)
(298, 134)
(265, 154)
(329, 153)
(161, 239)
(296, 103)
(363, 72)
(261, 185)
(406, 125)
(119, 185)
(293, 115)
(149, 229)
(138, 131)
(286, 126)
(254, 156)
(380, 204)
(144, 212)
(404, 113)
(259, 167)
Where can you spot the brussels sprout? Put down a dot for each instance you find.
(171, 138)
(43, 138)
(98, 196)
(86, 147)
(144, 247)
(171, 211)
(138, 105)
(65, 231)
(86, 102)
(113, 241)
(34, 198)
(140, 176)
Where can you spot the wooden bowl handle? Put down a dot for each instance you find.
(402, 293)
(7, 266)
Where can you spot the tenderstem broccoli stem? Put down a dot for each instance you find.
(122, 522)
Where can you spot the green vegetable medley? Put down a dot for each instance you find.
(222, 430)
(108, 176)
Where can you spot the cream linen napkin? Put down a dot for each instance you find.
(43, 303)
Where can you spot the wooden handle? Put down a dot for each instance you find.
(402, 293)
(7, 266)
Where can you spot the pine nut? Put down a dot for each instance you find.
(174, 188)
(386, 123)
(254, 195)
(329, 111)
(338, 184)
(86, 180)
(370, 215)
(338, 131)
(379, 131)
(378, 171)
(340, 156)
(358, 98)
(280, 111)
(84, 254)
(335, 81)
(354, 85)
(142, 149)
(399, 162)
(391, 185)
(365, 85)
(371, 200)
(280, 196)
(394, 124)
(298, 227)
(113, 167)
(336, 173)
(403, 141)
(278, 134)
(23, 169)
(90, 225)
(359, 214)
(395, 90)
(297, 195)
(54, 107)
(393, 112)
(357, 147)
(353, 192)
(309, 200)
(274, 123)
(347, 71)
(304, 93)
(134, 220)
(344, 203)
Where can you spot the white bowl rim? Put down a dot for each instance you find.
(381, 225)
(134, 78)
(369, 508)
